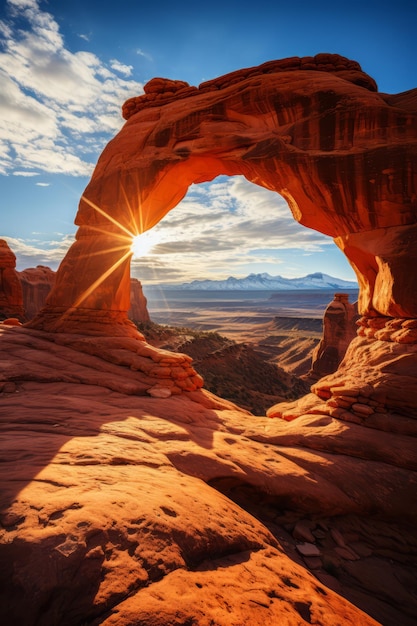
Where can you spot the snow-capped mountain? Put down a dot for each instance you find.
(267, 282)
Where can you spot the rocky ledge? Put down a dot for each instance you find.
(127, 509)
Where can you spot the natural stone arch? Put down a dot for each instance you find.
(315, 130)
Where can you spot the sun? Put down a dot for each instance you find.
(143, 243)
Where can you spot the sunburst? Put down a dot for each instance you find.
(131, 243)
(143, 243)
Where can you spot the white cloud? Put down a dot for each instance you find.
(50, 96)
(43, 184)
(121, 67)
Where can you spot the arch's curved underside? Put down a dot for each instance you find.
(315, 130)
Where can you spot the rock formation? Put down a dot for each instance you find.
(38, 281)
(11, 298)
(138, 310)
(314, 129)
(127, 500)
(118, 508)
(339, 328)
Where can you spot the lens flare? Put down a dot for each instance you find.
(142, 244)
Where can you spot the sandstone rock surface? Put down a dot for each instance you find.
(36, 283)
(118, 508)
(339, 328)
(11, 297)
(138, 310)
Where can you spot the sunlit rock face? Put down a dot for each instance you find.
(11, 297)
(138, 310)
(315, 130)
(37, 283)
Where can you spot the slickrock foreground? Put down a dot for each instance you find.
(130, 495)
(127, 509)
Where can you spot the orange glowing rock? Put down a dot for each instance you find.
(313, 129)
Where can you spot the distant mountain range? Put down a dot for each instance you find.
(267, 282)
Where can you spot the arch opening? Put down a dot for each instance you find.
(231, 227)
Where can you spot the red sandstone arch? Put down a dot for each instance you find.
(315, 130)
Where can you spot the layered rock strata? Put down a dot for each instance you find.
(11, 296)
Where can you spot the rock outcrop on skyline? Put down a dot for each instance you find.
(339, 329)
(11, 297)
(131, 495)
(138, 309)
(36, 283)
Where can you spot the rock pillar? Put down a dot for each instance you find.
(11, 296)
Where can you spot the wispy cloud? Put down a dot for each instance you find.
(144, 54)
(25, 174)
(50, 96)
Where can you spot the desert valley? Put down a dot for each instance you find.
(221, 457)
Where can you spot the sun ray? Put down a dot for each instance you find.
(101, 279)
(105, 251)
(109, 217)
(131, 213)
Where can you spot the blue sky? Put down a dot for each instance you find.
(67, 66)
